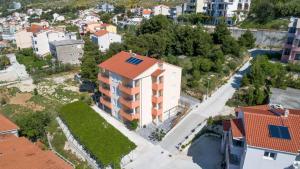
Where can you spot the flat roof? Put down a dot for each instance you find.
(67, 42)
(289, 98)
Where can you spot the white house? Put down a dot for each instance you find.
(262, 137)
(41, 39)
(139, 88)
(147, 13)
(103, 39)
(229, 9)
(161, 10)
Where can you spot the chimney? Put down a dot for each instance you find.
(286, 112)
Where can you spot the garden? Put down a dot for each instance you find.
(104, 142)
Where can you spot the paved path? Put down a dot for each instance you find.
(210, 107)
(153, 156)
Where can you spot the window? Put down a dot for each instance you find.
(297, 56)
(269, 155)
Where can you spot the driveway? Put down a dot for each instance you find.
(206, 152)
(211, 107)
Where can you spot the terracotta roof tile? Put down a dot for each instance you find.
(257, 121)
(6, 124)
(18, 152)
(118, 65)
(237, 128)
(36, 28)
(147, 12)
(101, 33)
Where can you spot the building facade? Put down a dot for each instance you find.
(265, 136)
(104, 38)
(67, 51)
(291, 49)
(230, 10)
(139, 88)
(23, 39)
(195, 6)
(161, 10)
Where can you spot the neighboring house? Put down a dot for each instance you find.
(7, 127)
(195, 6)
(231, 10)
(41, 39)
(18, 152)
(94, 27)
(67, 51)
(106, 7)
(104, 38)
(23, 39)
(265, 136)
(147, 13)
(139, 88)
(288, 98)
(291, 51)
(161, 10)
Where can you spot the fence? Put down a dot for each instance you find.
(74, 144)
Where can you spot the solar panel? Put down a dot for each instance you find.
(279, 132)
(134, 60)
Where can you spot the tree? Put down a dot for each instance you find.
(4, 62)
(230, 46)
(247, 40)
(155, 24)
(220, 33)
(33, 125)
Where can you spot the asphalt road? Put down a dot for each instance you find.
(210, 107)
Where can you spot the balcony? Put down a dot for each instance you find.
(156, 112)
(106, 101)
(128, 115)
(104, 78)
(129, 89)
(105, 90)
(157, 99)
(129, 102)
(157, 86)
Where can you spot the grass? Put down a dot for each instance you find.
(100, 138)
(276, 24)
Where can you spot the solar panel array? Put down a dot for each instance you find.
(134, 60)
(281, 132)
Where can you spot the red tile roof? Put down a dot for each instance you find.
(258, 118)
(101, 33)
(6, 124)
(18, 152)
(237, 128)
(147, 12)
(36, 28)
(118, 65)
(157, 72)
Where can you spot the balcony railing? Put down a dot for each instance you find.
(106, 102)
(104, 78)
(157, 99)
(157, 86)
(129, 103)
(129, 90)
(156, 112)
(105, 90)
(129, 116)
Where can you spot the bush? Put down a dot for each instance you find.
(132, 125)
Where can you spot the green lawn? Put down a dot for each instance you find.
(105, 142)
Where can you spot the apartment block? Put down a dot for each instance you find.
(291, 49)
(195, 6)
(104, 38)
(264, 136)
(231, 10)
(161, 10)
(139, 88)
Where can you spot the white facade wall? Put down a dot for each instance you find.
(171, 89)
(161, 10)
(255, 159)
(107, 39)
(23, 39)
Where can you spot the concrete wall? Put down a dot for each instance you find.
(264, 38)
(255, 159)
(23, 39)
(69, 53)
(105, 40)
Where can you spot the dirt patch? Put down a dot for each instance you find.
(23, 100)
